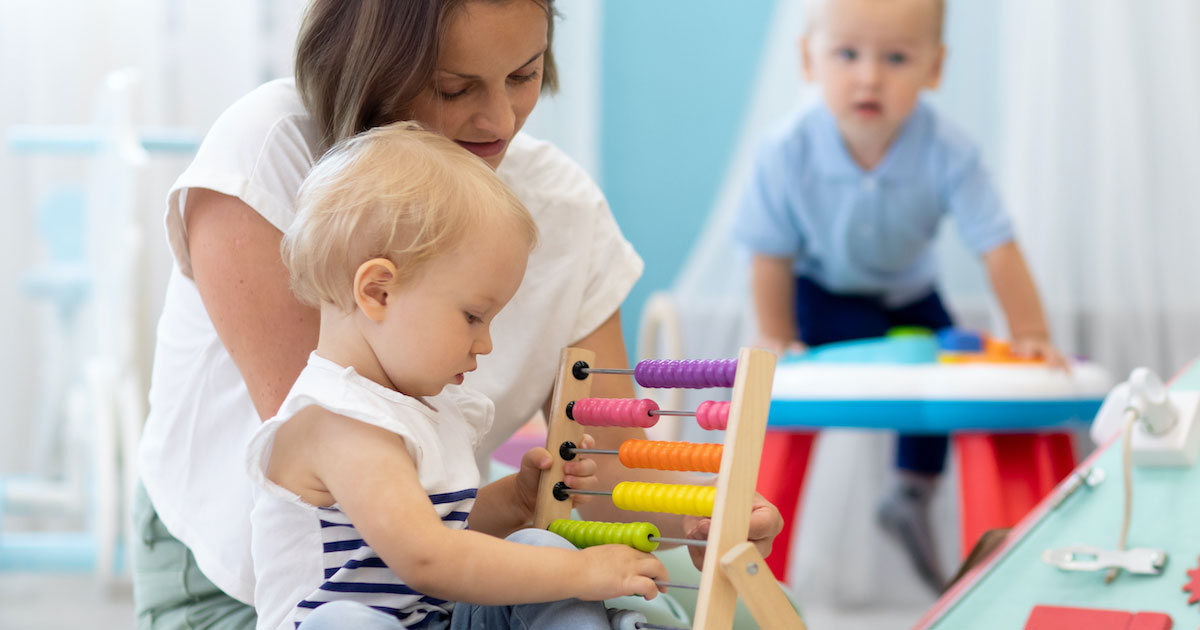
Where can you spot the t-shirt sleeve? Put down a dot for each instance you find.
(257, 152)
(763, 221)
(612, 266)
(972, 199)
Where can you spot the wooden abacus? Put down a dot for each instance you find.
(732, 566)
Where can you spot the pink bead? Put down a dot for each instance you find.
(713, 415)
(615, 412)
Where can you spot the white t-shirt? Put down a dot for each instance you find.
(201, 416)
(304, 555)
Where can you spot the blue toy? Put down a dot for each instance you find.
(921, 383)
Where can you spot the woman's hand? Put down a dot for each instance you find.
(578, 473)
(765, 525)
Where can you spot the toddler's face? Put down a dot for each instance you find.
(872, 58)
(438, 321)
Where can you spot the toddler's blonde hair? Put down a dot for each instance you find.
(814, 11)
(399, 192)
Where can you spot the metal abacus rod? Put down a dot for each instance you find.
(691, 587)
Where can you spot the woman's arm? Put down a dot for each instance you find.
(244, 285)
(326, 458)
(608, 343)
(1018, 298)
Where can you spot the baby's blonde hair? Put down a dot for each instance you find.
(814, 11)
(399, 192)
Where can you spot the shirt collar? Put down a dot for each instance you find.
(832, 159)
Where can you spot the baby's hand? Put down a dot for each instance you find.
(579, 473)
(609, 571)
(1041, 348)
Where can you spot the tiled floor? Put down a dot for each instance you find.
(72, 602)
(48, 601)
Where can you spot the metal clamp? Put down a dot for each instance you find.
(1143, 561)
(1089, 478)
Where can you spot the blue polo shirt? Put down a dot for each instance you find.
(859, 232)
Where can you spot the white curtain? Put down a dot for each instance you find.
(1083, 108)
(1102, 171)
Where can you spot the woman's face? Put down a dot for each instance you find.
(488, 76)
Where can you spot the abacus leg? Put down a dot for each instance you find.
(756, 585)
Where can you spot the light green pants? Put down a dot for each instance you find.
(169, 591)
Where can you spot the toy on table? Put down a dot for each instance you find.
(915, 382)
(1069, 618)
(1192, 588)
(732, 566)
(919, 383)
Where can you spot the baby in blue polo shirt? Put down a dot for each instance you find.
(844, 205)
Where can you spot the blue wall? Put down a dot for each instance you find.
(677, 78)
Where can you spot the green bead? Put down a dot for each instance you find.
(584, 534)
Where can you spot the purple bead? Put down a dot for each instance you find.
(694, 374)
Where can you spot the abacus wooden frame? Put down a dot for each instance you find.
(742, 569)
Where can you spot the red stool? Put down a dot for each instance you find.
(781, 472)
(1001, 478)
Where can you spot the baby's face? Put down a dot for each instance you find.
(872, 58)
(439, 321)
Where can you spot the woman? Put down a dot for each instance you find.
(232, 338)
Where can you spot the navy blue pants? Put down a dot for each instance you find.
(825, 317)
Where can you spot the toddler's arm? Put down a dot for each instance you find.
(773, 285)
(1019, 299)
(368, 472)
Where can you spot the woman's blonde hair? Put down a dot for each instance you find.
(362, 63)
(399, 192)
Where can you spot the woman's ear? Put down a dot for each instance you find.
(372, 282)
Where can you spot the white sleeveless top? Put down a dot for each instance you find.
(304, 555)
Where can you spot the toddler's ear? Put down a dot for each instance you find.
(806, 62)
(372, 282)
(936, 72)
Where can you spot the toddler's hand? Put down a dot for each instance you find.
(610, 571)
(579, 473)
(1041, 348)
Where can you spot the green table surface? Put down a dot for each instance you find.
(1166, 516)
